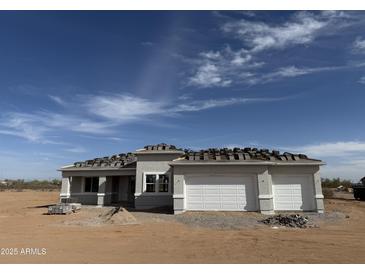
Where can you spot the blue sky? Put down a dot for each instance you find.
(79, 85)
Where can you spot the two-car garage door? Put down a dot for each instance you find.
(226, 193)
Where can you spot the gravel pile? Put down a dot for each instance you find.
(294, 220)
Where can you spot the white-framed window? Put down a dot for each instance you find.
(163, 183)
(156, 182)
(151, 180)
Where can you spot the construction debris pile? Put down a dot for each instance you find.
(64, 208)
(294, 221)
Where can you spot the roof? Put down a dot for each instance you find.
(123, 160)
(160, 148)
(115, 161)
(243, 155)
(211, 155)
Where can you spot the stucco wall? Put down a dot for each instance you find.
(153, 163)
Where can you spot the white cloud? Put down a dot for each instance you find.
(262, 36)
(123, 108)
(362, 80)
(336, 149)
(209, 75)
(76, 150)
(127, 108)
(291, 71)
(208, 104)
(21, 125)
(111, 111)
(358, 45)
(147, 44)
(228, 67)
(37, 127)
(220, 69)
(57, 99)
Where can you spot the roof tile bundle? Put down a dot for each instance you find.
(161, 146)
(241, 154)
(118, 160)
(211, 154)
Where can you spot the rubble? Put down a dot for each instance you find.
(293, 220)
(64, 208)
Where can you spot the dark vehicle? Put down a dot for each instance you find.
(359, 190)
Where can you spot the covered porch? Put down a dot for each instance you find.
(99, 188)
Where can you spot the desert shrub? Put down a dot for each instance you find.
(327, 193)
(40, 185)
(335, 182)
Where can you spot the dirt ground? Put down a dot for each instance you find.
(73, 239)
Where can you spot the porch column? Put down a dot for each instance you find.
(101, 192)
(65, 188)
(318, 195)
(266, 201)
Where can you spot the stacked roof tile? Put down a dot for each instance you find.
(118, 160)
(211, 154)
(239, 154)
(161, 146)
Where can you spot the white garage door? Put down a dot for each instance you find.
(235, 193)
(293, 192)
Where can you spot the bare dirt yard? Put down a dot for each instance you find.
(94, 236)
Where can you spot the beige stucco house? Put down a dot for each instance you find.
(246, 179)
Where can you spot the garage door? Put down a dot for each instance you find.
(235, 193)
(293, 192)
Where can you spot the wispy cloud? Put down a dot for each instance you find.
(127, 108)
(123, 108)
(227, 67)
(76, 150)
(362, 80)
(39, 127)
(289, 72)
(358, 45)
(104, 114)
(222, 68)
(147, 44)
(209, 75)
(335, 149)
(302, 29)
(212, 103)
(57, 100)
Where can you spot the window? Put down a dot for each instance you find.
(151, 183)
(91, 184)
(163, 183)
(157, 183)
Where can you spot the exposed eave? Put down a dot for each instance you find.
(148, 152)
(244, 163)
(94, 168)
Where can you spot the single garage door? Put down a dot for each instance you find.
(226, 193)
(293, 192)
